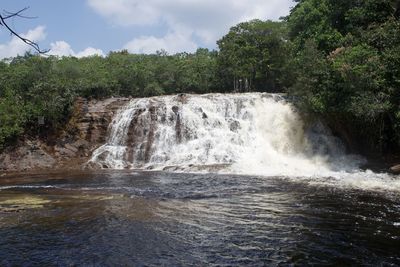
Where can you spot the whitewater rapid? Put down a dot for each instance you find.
(251, 133)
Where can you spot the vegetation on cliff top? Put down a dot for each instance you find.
(339, 59)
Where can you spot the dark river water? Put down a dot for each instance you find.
(169, 219)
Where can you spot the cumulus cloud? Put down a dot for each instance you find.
(90, 51)
(62, 48)
(16, 47)
(121, 11)
(172, 42)
(204, 20)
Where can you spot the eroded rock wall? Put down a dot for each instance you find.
(72, 146)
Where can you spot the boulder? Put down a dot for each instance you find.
(175, 109)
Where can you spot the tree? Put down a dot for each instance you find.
(348, 67)
(12, 117)
(253, 55)
(328, 22)
(312, 19)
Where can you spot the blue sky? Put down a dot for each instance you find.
(86, 27)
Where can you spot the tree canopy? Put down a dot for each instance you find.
(252, 56)
(347, 65)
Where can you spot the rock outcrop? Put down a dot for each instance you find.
(71, 148)
(31, 155)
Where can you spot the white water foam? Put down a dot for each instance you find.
(252, 133)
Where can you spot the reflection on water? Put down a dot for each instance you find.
(155, 218)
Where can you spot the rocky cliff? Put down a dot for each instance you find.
(70, 148)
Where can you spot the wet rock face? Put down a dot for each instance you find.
(86, 130)
(91, 118)
(140, 135)
(234, 125)
(175, 109)
(135, 129)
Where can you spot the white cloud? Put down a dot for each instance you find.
(173, 42)
(16, 47)
(121, 11)
(90, 51)
(62, 48)
(204, 20)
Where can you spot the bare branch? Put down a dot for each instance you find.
(16, 14)
(9, 15)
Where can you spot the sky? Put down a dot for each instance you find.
(87, 27)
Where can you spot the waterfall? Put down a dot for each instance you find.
(242, 133)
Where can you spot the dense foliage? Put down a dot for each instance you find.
(253, 56)
(338, 59)
(347, 66)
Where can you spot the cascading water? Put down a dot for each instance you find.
(251, 133)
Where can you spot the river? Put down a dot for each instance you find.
(130, 218)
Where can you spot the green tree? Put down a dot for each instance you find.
(12, 117)
(253, 56)
(347, 71)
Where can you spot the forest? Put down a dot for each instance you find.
(339, 60)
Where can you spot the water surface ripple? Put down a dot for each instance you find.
(157, 218)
